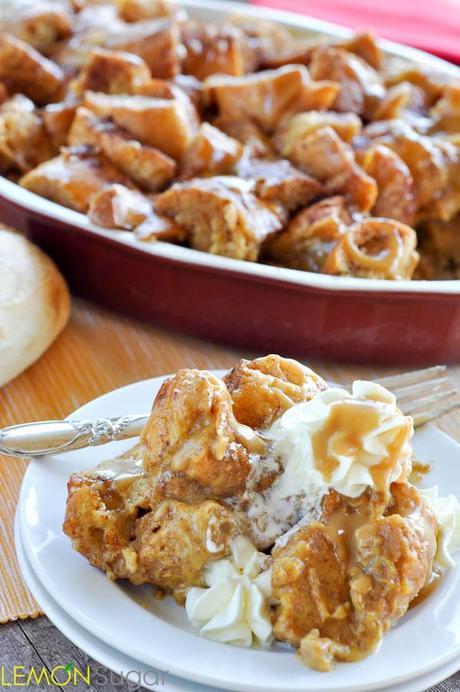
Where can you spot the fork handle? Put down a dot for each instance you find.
(50, 437)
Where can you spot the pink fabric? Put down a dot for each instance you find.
(433, 25)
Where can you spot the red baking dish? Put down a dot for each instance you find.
(241, 303)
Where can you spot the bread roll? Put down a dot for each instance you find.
(34, 303)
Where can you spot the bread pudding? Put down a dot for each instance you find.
(273, 507)
(239, 138)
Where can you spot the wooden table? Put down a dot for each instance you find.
(98, 352)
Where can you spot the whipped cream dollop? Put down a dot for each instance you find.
(447, 514)
(344, 441)
(234, 608)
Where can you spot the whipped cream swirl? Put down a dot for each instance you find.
(447, 514)
(235, 606)
(344, 441)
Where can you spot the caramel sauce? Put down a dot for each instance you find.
(342, 435)
(127, 467)
(341, 526)
(247, 437)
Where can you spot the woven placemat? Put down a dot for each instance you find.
(15, 599)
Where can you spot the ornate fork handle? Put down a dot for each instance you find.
(52, 437)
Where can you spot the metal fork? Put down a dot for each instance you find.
(423, 394)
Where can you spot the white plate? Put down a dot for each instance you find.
(117, 662)
(157, 633)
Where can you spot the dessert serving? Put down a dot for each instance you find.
(237, 139)
(274, 508)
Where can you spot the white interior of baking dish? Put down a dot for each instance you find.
(216, 10)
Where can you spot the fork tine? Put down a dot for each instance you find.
(423, 394)
(425, 416)
(412, 391)
(414, 377)
(427, 402)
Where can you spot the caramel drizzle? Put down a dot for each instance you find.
(348, 422)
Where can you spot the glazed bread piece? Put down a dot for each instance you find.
(147, 166)
(43, 25)
(310, 235)
(279, 181)
(267, 96)
(222, 215)
(338, 595)
(24, 141)
(211, 152)
(58, 118)
(34, 303)
(111, 521)
(432, 162)
(168, 124)
(112, 72)
(396, 198)
(264, 388)
(194, 446)
(156, 41)
(116, 206)
(73, 177)
(323, 155)
(295, 128)
(25, 70)
(361, 87)
(211, 49)
(138, 10)
(162, 511)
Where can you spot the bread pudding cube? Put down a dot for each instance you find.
(211, 49)
(73, 177)
(211, 152)
(112, 72)
(148, 167)
(116, 206)
(158, 227)
(58, 119)
(194, 447)
(138, 10)
(279, 181)
(264, 388)
(25, 70)
(168, 124)
(256, 141)
(310, 235)
(396, 196)
(222, 215)
(361, 87)
(326, 157)
(24, 142)
(156, 41)
(43, 25)
(264, 97)
(292, 130)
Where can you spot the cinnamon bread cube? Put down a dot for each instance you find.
(168, 124)
(148, 167)
(222, 215)
(73, 177)
(24, 70)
